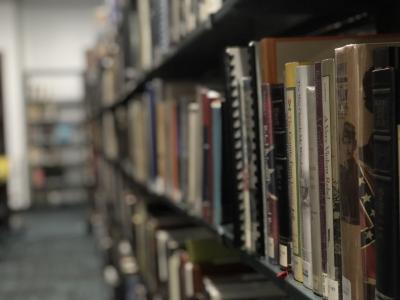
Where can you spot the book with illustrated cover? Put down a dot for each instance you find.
(304, 78)
(355, 124)
(385, 94)
(275, 52)
(295, 211)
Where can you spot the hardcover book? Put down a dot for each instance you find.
(385, 94)
(332, 196)
(295, 212)
(272, 230)
(314, 191)
(304, 78)
(281, 172)
(324, 187)
(353, 73)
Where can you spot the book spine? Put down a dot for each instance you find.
(206, 129)
(304, 78)
(175, 151)
(324, 187)
(161, 143)
(386, 165)
(246, 172)
(332, 282)
(254, 70)
(272, 200)
(193, 109)
(199, 140)
(216, 155)
(290, 99)
(281, 172)
(153, 137)
(314, 190)
(233, 162)
(183, 148)
(354, 65)
(349, 176)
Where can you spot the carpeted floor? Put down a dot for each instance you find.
(52, 258)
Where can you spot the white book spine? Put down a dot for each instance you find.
(314, 191)
(328, 172)
(192, 153)
(331, 174)
(304, 78)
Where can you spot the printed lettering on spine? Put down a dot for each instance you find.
(385, 93)
(304, 78)
(281, 172)
(272, 200)
(322, 113)
(295, 216)
(314, 190)
(332, 195)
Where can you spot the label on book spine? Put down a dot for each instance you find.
(333, 289)
(325, 285)
(283, 255)
(271, 247)
(346, 285)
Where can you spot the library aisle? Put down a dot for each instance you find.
(52, 257)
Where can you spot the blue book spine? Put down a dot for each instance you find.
(153, 134)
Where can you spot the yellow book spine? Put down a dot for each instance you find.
(290, 98)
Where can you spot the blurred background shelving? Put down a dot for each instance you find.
(57, 140)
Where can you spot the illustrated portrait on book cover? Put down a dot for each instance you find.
(349, 175)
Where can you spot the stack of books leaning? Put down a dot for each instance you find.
(298, 153)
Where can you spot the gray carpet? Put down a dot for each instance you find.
(52, 258)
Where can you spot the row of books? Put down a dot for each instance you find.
(175, 135)
(170, 22)
(314, 123)
(299, 154)
(135, 36)
(180, 260)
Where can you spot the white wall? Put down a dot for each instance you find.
(18, 187)
(56, 34)
(38, 34)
